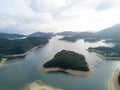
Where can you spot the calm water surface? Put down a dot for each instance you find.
(18, 72)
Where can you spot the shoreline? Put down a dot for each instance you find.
(2, 62)
(39, 85)
(113, 83)
(70, 71)
(23, 54)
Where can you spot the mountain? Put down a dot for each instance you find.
(40, 34)
(67, 33)
(8, 36)
(111, 32)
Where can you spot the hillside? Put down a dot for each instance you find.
(111, 32)
(19, 46)
(40, 34)
(8, 36)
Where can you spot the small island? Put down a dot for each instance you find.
(69, 62)
(115, 80)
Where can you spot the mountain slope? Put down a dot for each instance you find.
(40, 34)
(111, 32)
(7, 36)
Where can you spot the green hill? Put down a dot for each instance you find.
(19, 46)
(68, 60)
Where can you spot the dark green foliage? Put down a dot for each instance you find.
(0, 57)
(119, 79)
(68, 60)
(18, 46)
(40, 34)
(7, 36)
(71, 39)
(115, 49)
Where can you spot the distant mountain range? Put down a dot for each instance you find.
(108, 33)
(67, 33)
(40, 34)
(111, 33)
(17, 36)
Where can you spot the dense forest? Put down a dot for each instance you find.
(68, 60)
(19, 46)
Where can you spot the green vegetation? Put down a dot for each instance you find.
(68, 60)
(107, 51)
(19, 46)
(119, 79)
(7, 36)
(68, 39)
(0, 58)
(41, 34)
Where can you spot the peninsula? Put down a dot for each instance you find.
(39, 85)
(69, 62)
(115, 80)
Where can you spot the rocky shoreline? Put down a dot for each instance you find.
(69, 71)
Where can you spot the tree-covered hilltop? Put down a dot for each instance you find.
(68, 60)
(19, 46)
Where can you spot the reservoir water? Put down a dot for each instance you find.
(18, 72)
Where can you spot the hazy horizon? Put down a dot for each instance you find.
(28, 16)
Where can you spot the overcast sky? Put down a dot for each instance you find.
(27, 16)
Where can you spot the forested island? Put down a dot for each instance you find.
(69, 62)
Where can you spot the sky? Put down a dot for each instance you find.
(27, 16)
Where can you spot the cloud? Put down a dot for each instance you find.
(108, 4)
(24, 24)
(54, 7)
(45, 5)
